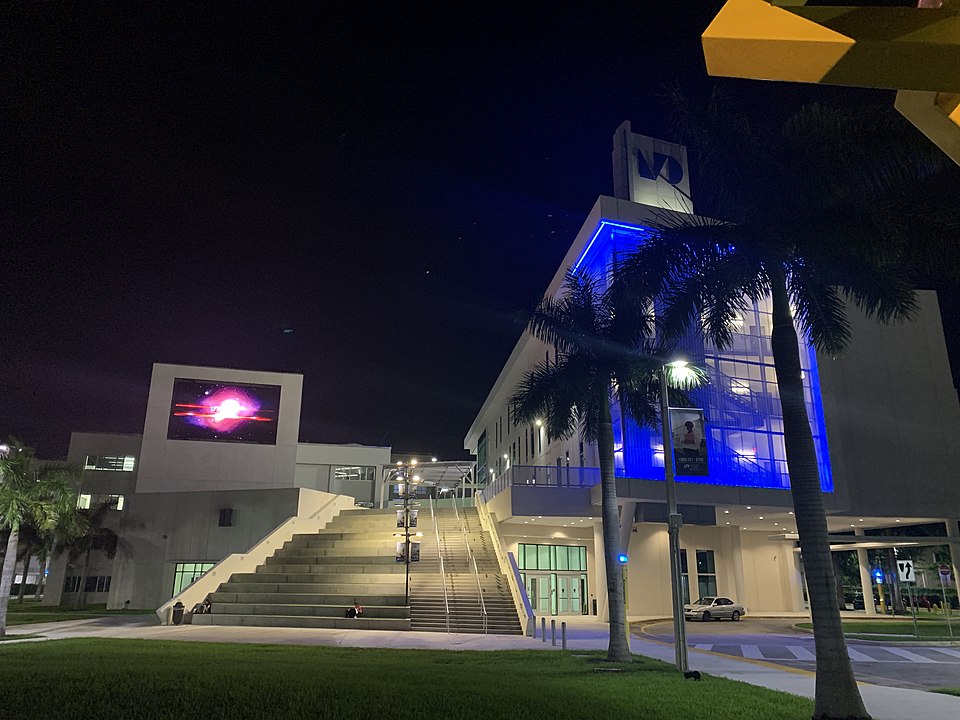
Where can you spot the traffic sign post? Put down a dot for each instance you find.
(905, 571)
(944, 572)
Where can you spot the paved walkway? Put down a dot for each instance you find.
(884, 703)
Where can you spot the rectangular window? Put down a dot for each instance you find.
(187, 573)
(706, 573)
(552, 557)
(115, 463)
(86, 501)
(226, 517)
(684, 576)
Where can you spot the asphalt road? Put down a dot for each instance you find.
(775, 641)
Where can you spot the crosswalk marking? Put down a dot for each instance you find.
(752, 652)
(912, 657)
(947, 651)
(801, 653)
(858, 656)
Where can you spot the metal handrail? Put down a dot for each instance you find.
(508, 565)
(443, 576)
(472, 559)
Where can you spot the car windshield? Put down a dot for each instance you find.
(704, 601)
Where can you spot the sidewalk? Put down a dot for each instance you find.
(883, 703)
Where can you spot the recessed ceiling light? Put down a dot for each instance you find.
(852, 525)
(726, 512)
(861, 519)
(761, 517)
(776, 523)
(898, 521)
(749, 507)
(540, 516)
(728, 522)
(791, 512)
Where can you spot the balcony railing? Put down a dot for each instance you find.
(543, 476)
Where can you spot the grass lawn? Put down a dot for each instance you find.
(930, 628)
(949, 691)
(32, 612)
(135, 679)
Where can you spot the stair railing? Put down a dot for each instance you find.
(471, 559)
(508, 566)
(443, 576)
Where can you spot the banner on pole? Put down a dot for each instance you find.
(689, 439)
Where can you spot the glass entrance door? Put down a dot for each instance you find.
(557, 594)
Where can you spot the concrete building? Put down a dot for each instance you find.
(883, 417)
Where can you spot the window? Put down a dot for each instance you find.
(187, 573)
(116, 463)
(684, 576)
(85, 501)
(226, 517)
(706, 573)
(552, 557)
(92, 583)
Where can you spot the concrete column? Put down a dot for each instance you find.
(796, 578)
(866, 581)
(736, 559)
(628, 511)
(953, 532)
(600, 571)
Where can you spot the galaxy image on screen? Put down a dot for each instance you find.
(224, 412)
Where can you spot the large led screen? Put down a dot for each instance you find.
(224, 412)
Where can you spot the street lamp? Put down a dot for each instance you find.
(674, 518)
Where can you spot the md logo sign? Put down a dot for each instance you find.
(662, 166)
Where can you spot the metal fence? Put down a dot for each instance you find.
(543, 476)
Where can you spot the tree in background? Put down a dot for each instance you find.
(604, 354)
(85, 532)
(28, 494)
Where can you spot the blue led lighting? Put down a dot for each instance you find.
(741, 402)
(622, 559)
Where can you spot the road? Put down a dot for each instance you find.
(775, 641)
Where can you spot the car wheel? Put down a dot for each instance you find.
(736, 615)
(706, 617)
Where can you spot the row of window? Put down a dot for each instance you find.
(551, 557)
(115, 463)
(706, 574)
(92, 583)
(186, 573)
(87, 501)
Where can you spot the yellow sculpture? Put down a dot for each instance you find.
(914, 50)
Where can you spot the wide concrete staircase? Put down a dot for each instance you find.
(427, 607)
(313, 579)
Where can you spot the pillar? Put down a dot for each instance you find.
(866, 580)
(953, 534)
(600, 571)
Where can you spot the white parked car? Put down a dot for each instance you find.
(714, 608)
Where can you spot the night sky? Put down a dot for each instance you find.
(366, 193)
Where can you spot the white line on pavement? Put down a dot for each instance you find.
(801, 653)
(752, 652)
(858, 656)
(912, 657)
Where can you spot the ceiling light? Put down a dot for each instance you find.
(898, 521)
(776, 523)
(791, 512)
(761, 517)
(726, 512)
(728, 523)
(861, 519)
(749, 507)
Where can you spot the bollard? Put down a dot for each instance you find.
(532, 626)
(563, 636)
(553, 633)
(543, 628)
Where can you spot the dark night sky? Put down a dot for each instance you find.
(180, 183)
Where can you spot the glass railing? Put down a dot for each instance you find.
(543, 476)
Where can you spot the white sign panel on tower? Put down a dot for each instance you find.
(650, 171)
(905, 570)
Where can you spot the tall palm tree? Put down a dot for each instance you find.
(813, 222)
(602, 355)
(27, 494)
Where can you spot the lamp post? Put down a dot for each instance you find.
(674, 520)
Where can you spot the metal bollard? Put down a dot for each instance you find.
(563, 636)
(543, 628)
(553, 633)
(532, 626)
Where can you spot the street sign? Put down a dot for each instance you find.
(944, 571)
(905, 569)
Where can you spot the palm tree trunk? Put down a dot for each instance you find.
(83, 579)
(837, 695)
(23, 578)
(6, 575)
(41, 576)
(619, 648)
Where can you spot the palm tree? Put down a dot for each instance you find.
(84, 532)
(814, 222)
(602, 355)
(27, 494)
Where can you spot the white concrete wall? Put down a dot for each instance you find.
(892, 416)
(195, 465)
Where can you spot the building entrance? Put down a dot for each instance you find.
(557, 593)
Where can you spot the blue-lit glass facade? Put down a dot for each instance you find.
(741, 402)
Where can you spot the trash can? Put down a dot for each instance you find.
(177, 618)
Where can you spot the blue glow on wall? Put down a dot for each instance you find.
(741, 402)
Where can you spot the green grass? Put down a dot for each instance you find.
(949, 691)
(138, 680)
(934, 628)
(32, 612)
